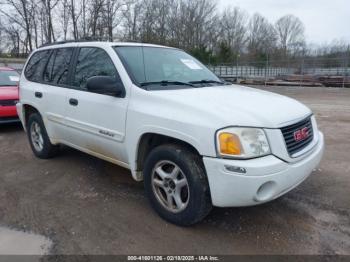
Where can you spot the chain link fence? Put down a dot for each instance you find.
(326, 71)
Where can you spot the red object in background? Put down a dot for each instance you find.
(8, 95)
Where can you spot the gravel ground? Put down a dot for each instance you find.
(88, 206)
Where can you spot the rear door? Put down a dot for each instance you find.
(31, 85)
(45, 87)
(55, 78)
(96, 122)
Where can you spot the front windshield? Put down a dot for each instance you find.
(168, 66)
(9, 78)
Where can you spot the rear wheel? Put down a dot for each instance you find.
(38, 138)
(176, 185)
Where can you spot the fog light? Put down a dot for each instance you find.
(266, 191)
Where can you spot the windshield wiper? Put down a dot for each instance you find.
(205, 81)
(166, 82)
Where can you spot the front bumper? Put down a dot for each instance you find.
(265, 179)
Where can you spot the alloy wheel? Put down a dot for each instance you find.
(170, 186)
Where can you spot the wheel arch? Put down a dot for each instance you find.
(28, 109)
(149, 141)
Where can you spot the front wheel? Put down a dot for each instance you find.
(176, 185)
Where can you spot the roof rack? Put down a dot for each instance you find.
(84, 39)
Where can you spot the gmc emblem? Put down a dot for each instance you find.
(301, 134)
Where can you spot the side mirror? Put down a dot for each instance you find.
(105, 85)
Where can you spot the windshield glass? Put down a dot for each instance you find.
(9, 78)
(165, 66)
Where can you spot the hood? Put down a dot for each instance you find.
(237, 105)
(8, 92)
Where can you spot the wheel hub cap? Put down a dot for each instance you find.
(170, 186)
(37, 137)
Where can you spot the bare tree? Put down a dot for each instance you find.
(74, 17)
(261, 36)
(155, 27)
(149, 21)
(112, 15)
(94, 19)
(20, 15)
(290, 32)
(131, 20)
(234, 29)
(35, 14)
(64, 17)
(13, 33)
(181, 23)
(47, 7)
(196, 18)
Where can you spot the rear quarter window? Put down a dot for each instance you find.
(36, 65)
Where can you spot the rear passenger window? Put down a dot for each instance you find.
(35, 66)
(93, 62)
(56, 71)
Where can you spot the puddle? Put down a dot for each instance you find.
(13, 242)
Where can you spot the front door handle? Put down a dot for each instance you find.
(73, 102)
(38, 94)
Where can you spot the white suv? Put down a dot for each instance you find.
(196, 141)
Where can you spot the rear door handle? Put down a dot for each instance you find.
(38, 94)
(73, 102)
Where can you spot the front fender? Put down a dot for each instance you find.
(133, 141)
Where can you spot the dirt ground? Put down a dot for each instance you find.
(88, 206)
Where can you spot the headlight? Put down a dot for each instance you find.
(240, 142)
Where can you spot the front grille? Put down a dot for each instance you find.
(294, 146)
(8, 102)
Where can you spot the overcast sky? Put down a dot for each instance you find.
(324, 20)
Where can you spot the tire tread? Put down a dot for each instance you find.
(203, 200)
(49, 150)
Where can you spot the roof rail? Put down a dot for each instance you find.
(84, 39)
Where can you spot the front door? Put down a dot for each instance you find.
(95, 122)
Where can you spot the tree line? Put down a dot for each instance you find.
(194, 25)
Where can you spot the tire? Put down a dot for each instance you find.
(41, 146)
(189, 202)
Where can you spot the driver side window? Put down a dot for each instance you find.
(93, 62)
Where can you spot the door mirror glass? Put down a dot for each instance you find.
(105, 85)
